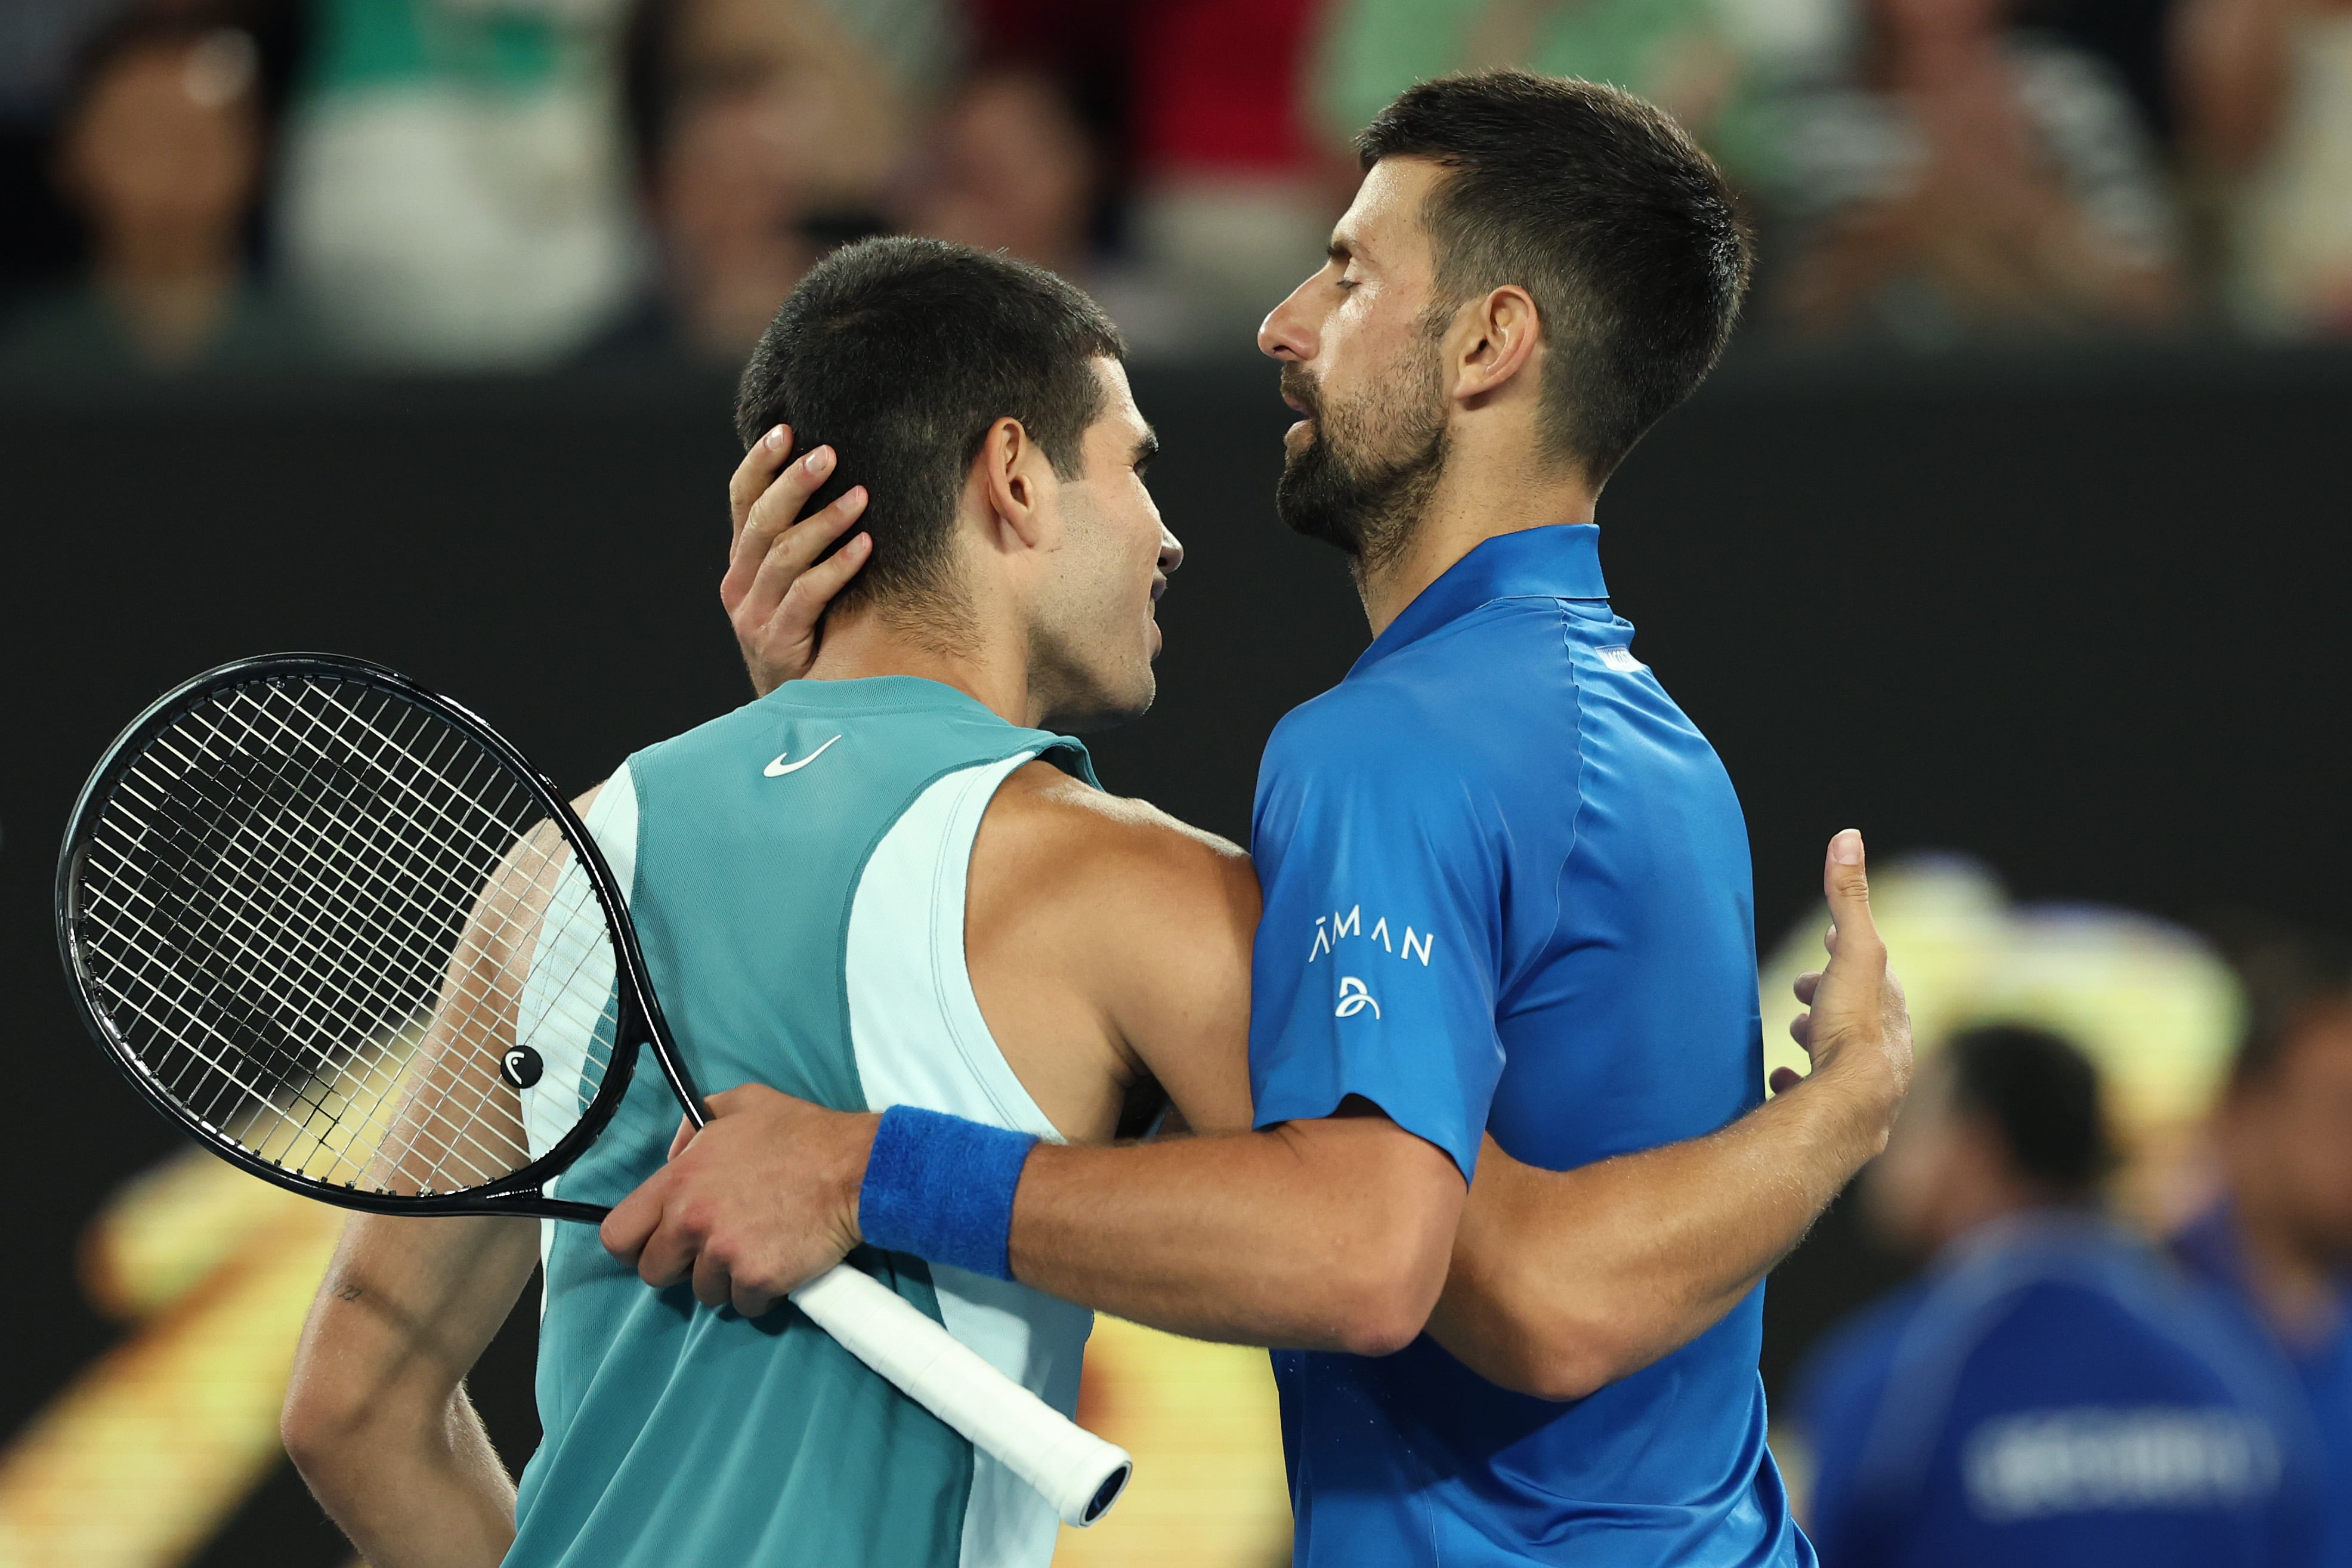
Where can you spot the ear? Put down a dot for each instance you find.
(1011, 477)
(1493, 342)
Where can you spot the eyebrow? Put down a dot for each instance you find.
(1343, 251)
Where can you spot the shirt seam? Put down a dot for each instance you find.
(1506, 995)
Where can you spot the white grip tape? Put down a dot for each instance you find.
(1071, 1468)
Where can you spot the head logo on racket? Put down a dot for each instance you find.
(521, 1067)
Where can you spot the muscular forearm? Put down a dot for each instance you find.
(1330, 1234)
(413, 1488)
(1564, 1281)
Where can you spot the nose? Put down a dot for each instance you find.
(1172, 552)
(1286, 333)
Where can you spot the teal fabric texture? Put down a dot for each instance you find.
(681, 1434)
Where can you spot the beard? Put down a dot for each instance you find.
(1366, 475)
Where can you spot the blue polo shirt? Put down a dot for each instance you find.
(1507, 889)
(2212, 1249)
(2053, 1396)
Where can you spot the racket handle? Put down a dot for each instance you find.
(1078, 1472)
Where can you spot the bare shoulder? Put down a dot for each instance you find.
(1055, 831)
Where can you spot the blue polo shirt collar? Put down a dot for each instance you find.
(1558, 561)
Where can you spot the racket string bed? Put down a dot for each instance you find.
(344, 858)
(450, 924)
(211, 999)
(309, 1014)
(353, 942)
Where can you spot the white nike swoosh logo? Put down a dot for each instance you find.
(779, 768)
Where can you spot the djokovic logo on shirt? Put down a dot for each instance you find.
(1354, 998)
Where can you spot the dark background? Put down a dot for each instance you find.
(2082, 618)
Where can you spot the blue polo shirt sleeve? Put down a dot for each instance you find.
(1377, 962)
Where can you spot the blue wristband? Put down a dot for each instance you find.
(941, 1188)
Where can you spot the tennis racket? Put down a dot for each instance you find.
(352, 941)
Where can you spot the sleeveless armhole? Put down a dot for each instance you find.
(915, 1021)
(917, 1029)
(572, 943)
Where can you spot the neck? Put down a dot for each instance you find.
(170, 287)
(1477, 499)
(987, 665)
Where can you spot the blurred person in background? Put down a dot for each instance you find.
(455, 194)
(2052, 1392)
(1013, 165)
(2268, 88)
(1233, 199)
(2279, 1243)
(1974, 177)
(765, 135)
(1010, 167)
(38, 43)
(161, 152)
(1712, 64)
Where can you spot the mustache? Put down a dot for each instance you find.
(1299, 385)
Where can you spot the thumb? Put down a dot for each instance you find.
(1845, 882)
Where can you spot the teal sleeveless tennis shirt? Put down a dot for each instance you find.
(795, 870)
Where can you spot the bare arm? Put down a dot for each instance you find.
(1324, 1233)
(1327, 1235)
(1318, 1233)
(1565, 1280)
(376, 1416)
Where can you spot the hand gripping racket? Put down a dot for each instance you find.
(352, 941)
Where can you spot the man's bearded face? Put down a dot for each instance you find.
(1373, 459)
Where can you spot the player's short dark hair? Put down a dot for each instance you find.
(1606, 213)
(2040, 1093)
(899, 354)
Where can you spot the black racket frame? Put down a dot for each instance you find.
(638, 1022)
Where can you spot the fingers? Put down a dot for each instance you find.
(712, 1287)
(1807, 984)
(685, 1130)
(805, 602)
(1785, 1079)
(755, 474)
(792, 559)
(1845, 881)
(769, 513)
(669, 1254)
(630, 1224)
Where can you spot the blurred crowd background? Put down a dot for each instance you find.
(2117, 1220)
(501, 185)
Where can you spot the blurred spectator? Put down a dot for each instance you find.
(1976, 177)
(37, 46)
(1709, 63)
(161, 152)
(2052, 1392)
(1011, 165)
(2268, 84)
(1235, 200)
(2279, 1242)
(765, 135)
(2138, 41)
(455, 193)
(1011, 168)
